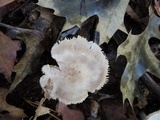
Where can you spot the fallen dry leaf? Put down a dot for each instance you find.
(24, 66)
(140, 59)
(41, 110)
(113, 109)
(110, 13)
(5, 2)
(94, 108)
(8, 49)
(47, 24)
(13, 112)
(31, 38)
(68, 114)
(157, 6)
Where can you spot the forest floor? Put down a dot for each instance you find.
(28, 32)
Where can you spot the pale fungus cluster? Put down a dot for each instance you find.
(82, 68)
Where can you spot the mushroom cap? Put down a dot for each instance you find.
(82, 68)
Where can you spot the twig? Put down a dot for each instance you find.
(151, 84)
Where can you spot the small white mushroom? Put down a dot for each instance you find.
(82, 68)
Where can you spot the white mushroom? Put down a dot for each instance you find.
(82, 68)
(153, 116)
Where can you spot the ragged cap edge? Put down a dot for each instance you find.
(97, 79)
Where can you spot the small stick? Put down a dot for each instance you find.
(151, 84)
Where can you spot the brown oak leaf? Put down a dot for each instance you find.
(8, 49)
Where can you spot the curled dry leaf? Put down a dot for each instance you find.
(8, 53)
(69, 114)
(82, 68)
(41, 110)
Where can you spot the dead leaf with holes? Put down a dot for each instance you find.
(110, 13)
(8, 53)
(140, 59)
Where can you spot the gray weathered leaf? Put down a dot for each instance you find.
(110, 12)
(139, 59)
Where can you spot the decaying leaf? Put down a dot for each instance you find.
(8, 53)
(31, 39)
(110, 13)
(88, 29)
(69, 114)
(45, 22)
(94, 108)
(24, 66)
(157, 6)
(5, 2)
(41, 110)
(14, 113)
(140, 59)
(113, 109)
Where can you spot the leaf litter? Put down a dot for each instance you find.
(107, 11)
(39, 28)
(13, 112)
(8, 54)
(140, 59)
